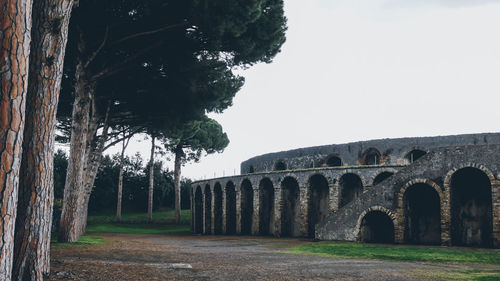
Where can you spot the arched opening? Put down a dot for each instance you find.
(266, 206)
(289, 207)
(246, 207)
(318, 202)
(230, 208)
(471, 208)
(251, 169)
(351, 187)
(376, 227)
(280, 166)
(217, 209)
(198, 210)
(208, 210)
(422, 213)
(414, 155)
(381, 177)
(371, 157)
(333, 161)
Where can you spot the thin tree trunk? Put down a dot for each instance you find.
(120, 181)
(15, 37)
(69, 226)
(151, 179)
(36, 187)
(179, 154)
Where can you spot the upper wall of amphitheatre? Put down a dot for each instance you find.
(398, 151)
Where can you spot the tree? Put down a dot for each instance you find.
(125, 142)
(36, 187)
(150, 81)
(188, 142)
(15, 37)
(151, 179)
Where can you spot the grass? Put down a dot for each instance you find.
(159, 217)
(402, 253)
(138, 228)
(472, 274)
(84, 240)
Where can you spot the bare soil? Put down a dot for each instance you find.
(192, 257)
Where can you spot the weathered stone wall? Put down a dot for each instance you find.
(434, 169)
(392, 151)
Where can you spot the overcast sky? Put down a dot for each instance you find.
(359, 70)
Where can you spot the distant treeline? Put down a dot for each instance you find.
(135, 185)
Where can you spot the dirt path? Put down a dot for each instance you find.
(162, 257)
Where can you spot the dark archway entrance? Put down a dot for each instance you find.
(217, 209)
(414, 155)
(266, 206)
(290, 205)
(376, 227)
(381, 177)
(333, 161)
(230, 208)
(350, 188)
(318, 208)
(246, 207)
(208, 210)
(371, 157)
(422, 214)
(471, 208)
(198, 210)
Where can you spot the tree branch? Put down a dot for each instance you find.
(132, 36)
(92, 57)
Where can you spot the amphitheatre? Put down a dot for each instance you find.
(442, 190)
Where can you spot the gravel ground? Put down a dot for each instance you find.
(192, 257)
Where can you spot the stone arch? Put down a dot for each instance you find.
(318, 201)
(371, 156)
(208, 210)
(230, 208)
(414, 154)
(198, 210)
(376, 225)
(471, 210)
(378, 178)
(333, 160)
(246, 204)
(290, 207)
(280, 165)
(251, 170)
(350, 187)
(266, 206)
(421, 204)
(217, 208)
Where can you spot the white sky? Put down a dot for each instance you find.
(359, 70)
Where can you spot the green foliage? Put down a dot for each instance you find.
(137, 228)
(402, 253)
(163, 217)
(84, 240)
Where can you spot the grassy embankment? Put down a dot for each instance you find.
(132, 223)
(414, 254)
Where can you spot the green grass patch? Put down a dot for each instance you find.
(84, 240)
(138, 228)
(402, 253)
(159, 217)
(473, 274)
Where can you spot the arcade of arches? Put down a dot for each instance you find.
(288, 204)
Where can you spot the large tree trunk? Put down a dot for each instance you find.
(70, 226)
(179, 154)
(151, 179)
(36, 190)
(15, 37)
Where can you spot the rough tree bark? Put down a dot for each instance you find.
(36, 190)
(70, 226)
(120, 180)
(15, 37)
(179, 155)
(151, 179)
